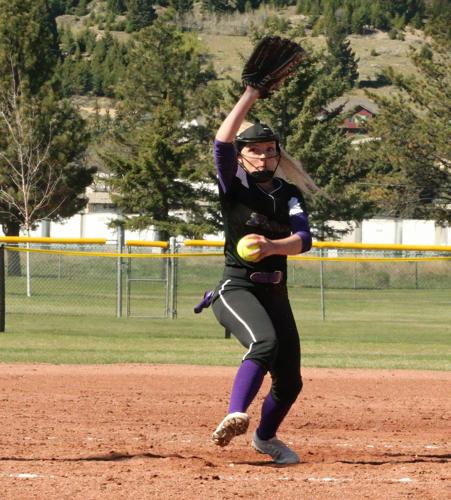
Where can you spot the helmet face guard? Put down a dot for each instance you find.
(258, 132)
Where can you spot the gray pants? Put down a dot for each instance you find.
(260, 317)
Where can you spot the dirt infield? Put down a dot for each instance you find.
(143, 431)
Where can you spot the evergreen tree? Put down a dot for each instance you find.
(410, 160)
(150, 177)
(166, 65)
(327, 154)
(158, 152)
(342, 56)
(439, 23)
(321, 146)
(42, 173)
(140, 13)
(219, 6)
(28, 43)
(182, 6)
(378, 17)
(82, 8)
(116, 6)
(360, 17)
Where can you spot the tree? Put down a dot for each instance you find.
(159, 154)
(410, 162)
(165, 64)
(41, 175)
(296, 111)
(321, 145)
(360, 17)
(140, 13)
(28, 43)
(439, 22)
(42, 137)
(116, 6)
(151, 173)
(220, 6)
(182, 6)
(342, 56)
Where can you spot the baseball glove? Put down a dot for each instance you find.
(272, 61)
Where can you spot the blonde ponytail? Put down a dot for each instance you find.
(292, 170)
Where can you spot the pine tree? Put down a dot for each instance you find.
(149, 175)
(360, 17)
(325, 152)
(439, 23)
(182, 6)
(28, 43)
(164, 65)
(116, 6)
(410, 160)
(342, 56)
(158, 152)
(140, 13)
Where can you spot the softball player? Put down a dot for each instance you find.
(251, 300)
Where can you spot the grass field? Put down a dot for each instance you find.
(363, 328)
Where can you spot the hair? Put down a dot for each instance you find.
(291, 170)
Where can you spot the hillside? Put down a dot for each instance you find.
(227, 39)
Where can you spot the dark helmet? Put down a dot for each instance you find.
(259, 132)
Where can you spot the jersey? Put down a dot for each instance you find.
(247, 208)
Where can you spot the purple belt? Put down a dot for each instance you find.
(273, 278)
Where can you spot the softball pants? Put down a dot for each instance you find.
(260, 317)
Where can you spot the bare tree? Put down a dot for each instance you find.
(42, 173)
(32, 177)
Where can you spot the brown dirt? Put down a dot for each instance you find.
(143, 431)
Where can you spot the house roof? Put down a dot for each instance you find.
(351, 103)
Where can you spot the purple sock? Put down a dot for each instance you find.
(272, 416)
(248, 381)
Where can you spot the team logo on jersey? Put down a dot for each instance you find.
(260, 221)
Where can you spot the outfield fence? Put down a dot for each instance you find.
(43, 276)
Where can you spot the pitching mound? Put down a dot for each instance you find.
(136, 431)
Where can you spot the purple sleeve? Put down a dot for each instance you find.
(299, 223)
(225, 162)
(301, 227)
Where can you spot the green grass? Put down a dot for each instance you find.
(71, 316)
(363, 328)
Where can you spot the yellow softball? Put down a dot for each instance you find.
(245, 251)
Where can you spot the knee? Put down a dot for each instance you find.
(289, 391)
(264, 352)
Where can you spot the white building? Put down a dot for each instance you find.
(95, 220)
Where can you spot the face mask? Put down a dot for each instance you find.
(262, 175)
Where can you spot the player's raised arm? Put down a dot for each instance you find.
(230, 126)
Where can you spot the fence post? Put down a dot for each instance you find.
(2, 288)
(173, 277)
(120, 250)
(321, 281)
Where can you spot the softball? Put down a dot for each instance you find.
(245, 251)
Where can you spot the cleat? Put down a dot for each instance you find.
(278, 451)
(233, 425)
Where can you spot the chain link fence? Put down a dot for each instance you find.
(147, 282)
